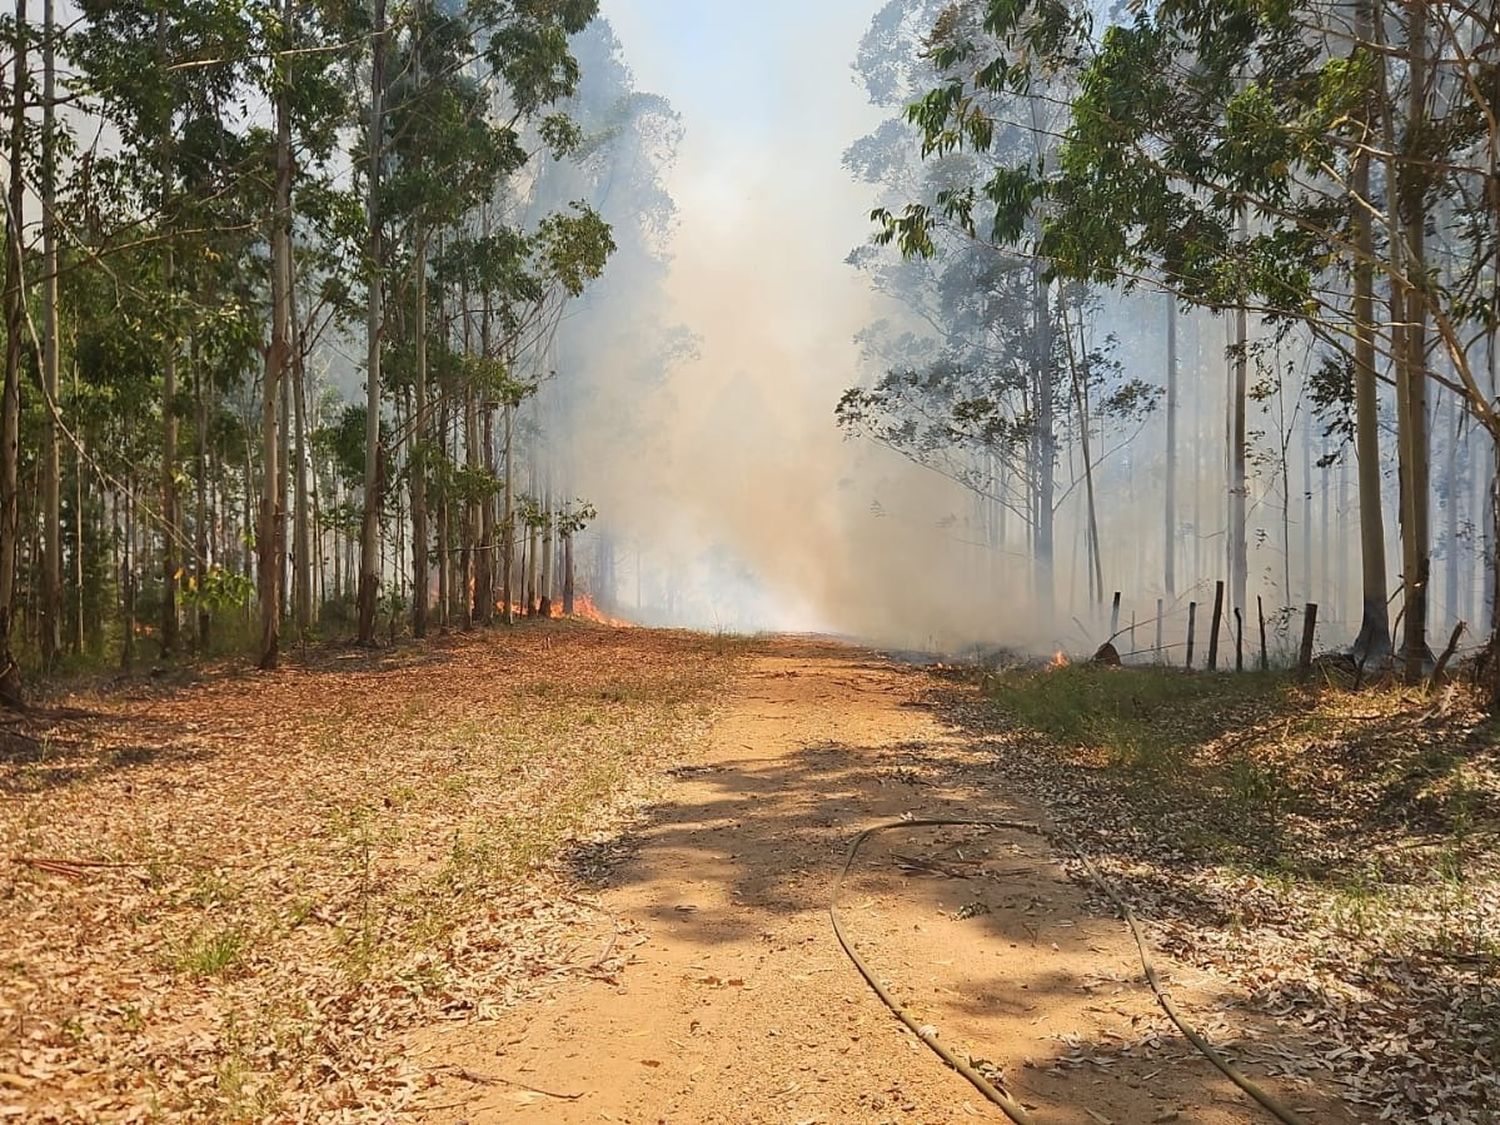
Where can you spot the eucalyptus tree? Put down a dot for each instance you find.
(158, 71)
(470, 80)
(974, 380)
(1192, 115)
(10, 393)
(594, 403)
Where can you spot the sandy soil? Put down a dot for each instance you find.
(731, 1001)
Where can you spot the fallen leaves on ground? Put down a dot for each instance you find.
(1333, 853)
(227, 898)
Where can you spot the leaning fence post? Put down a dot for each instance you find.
(1265, 659)
(1192, 629)
(1213, 629)
(1239, 640)
(1309, 629)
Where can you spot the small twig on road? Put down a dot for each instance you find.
(499, 1080)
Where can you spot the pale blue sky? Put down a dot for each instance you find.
(745, 65)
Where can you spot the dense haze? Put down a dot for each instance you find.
(732, 499)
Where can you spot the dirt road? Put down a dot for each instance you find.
(731, 1001)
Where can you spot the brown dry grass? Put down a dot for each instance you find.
(223, 899)
(1335, 852)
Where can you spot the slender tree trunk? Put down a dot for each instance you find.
(51, 458)
(508, 520)
(10, 408)
(546, 581)
(369, 555)
(1169, 542)
(302, 532)
(1451, 583)
(78, 536)
(1238, 481)
(200, 489)
(169, 522)
(1080, 400)
(1412, 377)
(470, 577)
(1046, 445)
(419, 450)
(127, 579)
(568, 582)
(1373, 644)
(271, 535)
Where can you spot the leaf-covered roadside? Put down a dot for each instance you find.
(225, 899)
(1333, 854)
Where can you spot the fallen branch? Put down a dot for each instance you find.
(497, 1080)
(1442, 664)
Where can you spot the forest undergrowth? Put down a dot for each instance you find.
(226, 897)
(1333, 852)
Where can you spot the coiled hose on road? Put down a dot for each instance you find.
(1009, 1105)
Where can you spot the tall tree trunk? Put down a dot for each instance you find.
(1046, 443)
(78, 533)
(419, 453)
(485, 556)
(568, 582)
(1412, 371)
(10, 409)
(127, 579)
(1079, 381)
(470, 577)
(508, 520)
(302, 532)
(1239, 486)
(200, 488)
(1451, 514)
(1373, 644)
(271, 534)
(1169, 542)
(369, 554)
(51, 458)
(546, 581)
(169, 521)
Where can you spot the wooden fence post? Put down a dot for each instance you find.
(1213, 629)
(1192, 629)
(1239, 640)
(1309, 630)
(1265, 658)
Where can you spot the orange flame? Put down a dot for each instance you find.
(1059, 660)
(584, 609)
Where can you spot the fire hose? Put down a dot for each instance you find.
(1008, 1104)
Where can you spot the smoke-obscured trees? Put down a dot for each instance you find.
(1291, 167)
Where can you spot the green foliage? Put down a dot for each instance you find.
(344, 442)
(1138, 718)
(576, 516)
(218, 590)
(572, 247)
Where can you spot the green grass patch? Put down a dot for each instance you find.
(1144, 719)
(210, 953)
